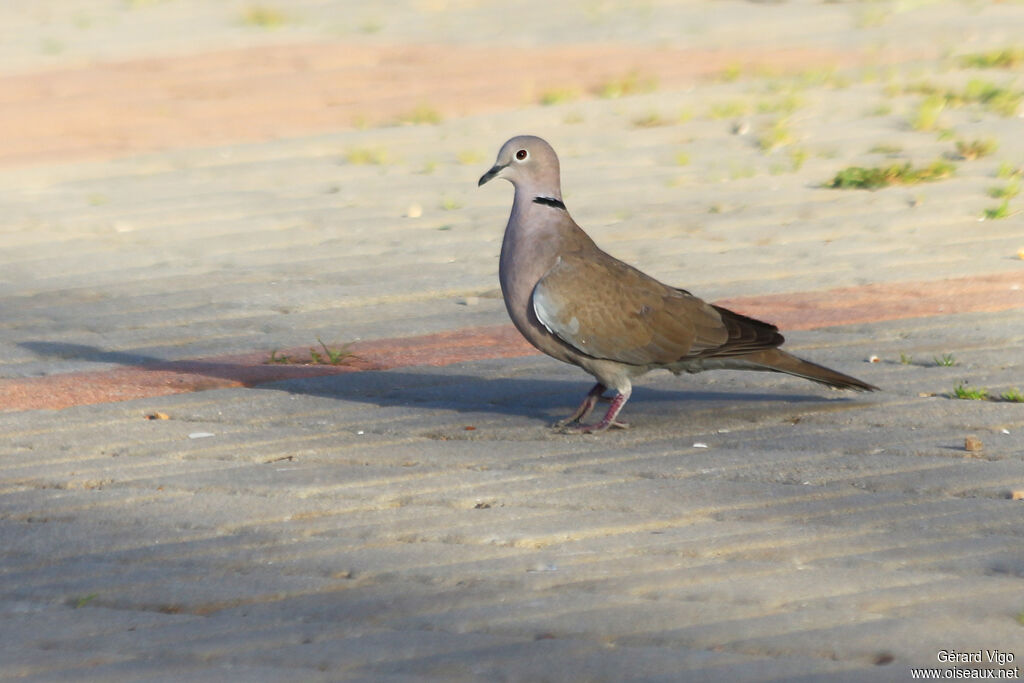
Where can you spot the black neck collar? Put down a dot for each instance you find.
(549, 201)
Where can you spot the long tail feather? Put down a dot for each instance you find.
(780, 361)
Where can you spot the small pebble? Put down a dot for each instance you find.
(1017, 495)
(200, 435)
(973, 444)
(874, 359)
(741, 128)
(414, 211)
(700, 444)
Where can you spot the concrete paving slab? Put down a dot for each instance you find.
(766, 539)
(414, 518)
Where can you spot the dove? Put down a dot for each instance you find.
(582, 306)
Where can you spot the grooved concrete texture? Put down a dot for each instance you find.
(422, 522)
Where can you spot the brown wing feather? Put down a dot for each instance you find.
(746, 335)
(607, 309)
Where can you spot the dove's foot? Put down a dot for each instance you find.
(593, 396)
(592, 429)
(572, 423)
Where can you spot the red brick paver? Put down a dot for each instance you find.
(797, 311)
(279, 91)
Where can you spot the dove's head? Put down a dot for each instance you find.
(529, 163)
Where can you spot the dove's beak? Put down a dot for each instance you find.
(495, 170)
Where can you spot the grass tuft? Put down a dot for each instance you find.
(559, 96)
(651, 120)
(263, 17)
(885, 148)
(633, 83)
(338, 356)
(946, 360)
(362, 156)
(85, 600)
(731, 73)
(797, 158)
(1007, 191)
(964, 392)
(860, 178)
(992, 96)
(926, 117)
(1004, 58)
(774, 136)
(1008, 171)
(997, 212)
(976, 149)
(422, 114)
(1012, 395)
(370, 26)
(330, 356)
(822, 76)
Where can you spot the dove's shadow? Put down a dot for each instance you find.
(443, 388)
(429, 387)
(84, 352)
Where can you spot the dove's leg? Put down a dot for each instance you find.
(609, 417)
(593, 396)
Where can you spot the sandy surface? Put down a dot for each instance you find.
(187, 187)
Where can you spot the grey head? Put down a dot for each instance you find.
(530, 164)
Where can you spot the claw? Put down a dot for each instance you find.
(592, 397)
(596, 428)
(571, 425)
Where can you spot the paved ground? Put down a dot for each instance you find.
(187, 187)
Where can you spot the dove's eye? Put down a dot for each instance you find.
(522, 154)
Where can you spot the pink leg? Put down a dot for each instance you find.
(593, 396)
(609, 417)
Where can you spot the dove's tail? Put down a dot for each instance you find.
(780, 361)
